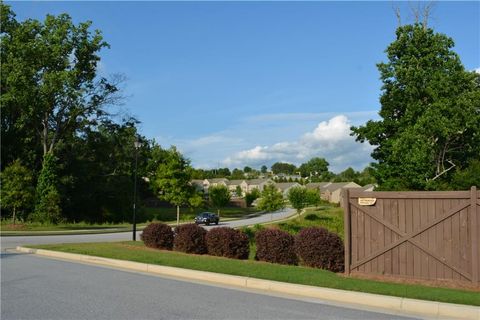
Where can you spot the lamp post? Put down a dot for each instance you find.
(137, 145)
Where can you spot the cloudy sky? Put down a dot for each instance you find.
(253, 83)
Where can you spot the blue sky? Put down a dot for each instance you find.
(252, 83)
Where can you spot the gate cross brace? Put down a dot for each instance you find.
(409, 237)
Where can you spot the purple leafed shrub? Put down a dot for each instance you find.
(275, 246)
(228, 242)
(190, 238)
(158, 235)
(317, 247)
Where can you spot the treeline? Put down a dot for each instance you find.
(314, 170)
(65, 155)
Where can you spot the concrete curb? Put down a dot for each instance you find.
(431, 309)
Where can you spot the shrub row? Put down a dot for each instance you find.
(275, 246)
(191, 238)
(313, 247)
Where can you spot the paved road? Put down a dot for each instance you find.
(39, 288)
(12, 242)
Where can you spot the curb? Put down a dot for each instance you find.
(432, 309)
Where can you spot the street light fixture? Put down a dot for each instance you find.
(137, 144)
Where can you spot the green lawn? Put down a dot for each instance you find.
(136, 251)
(327, 216)
(6, 225)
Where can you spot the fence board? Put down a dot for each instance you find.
(417, 235)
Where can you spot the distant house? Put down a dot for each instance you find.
(284, 187)
(284, 176)
(217, 182)
(258, 184)
(198, 184)
(333, 192)
(205, 184)
(316, 185)
(233, 184)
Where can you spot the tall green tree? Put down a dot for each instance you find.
(96, 176)
(17, 192)
(283, 167)
(300, 198)
(316, 169)
(237, 174)
(50, 87)
(271, 199)
(297, 196)
(172, 180)
(252, 196)
(313, 197)
(430, 113)
(219, 197)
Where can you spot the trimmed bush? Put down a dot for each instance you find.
(275, 246)
(190, 238)
(317, 247)
(228, 242)
(158, 235)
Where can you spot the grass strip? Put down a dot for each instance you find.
(136, 251)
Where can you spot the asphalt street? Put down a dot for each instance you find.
(39, 288)
(12, 242)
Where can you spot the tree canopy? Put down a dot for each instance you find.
(50, 84)
(172, 178)
(301, 197)
(219, 196)
(316, 168)
(16, 192)
(54, 105)
(430, 113)
(271, 199)
(283, 167)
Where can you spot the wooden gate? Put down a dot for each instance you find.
(416, 235)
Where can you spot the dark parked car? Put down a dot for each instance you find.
(207, 218)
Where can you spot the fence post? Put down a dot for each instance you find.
(474, 233)
(347, 230)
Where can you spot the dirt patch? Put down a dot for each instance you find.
(14, 227)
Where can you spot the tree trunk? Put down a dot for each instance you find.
(178, 215)
(45, 135)
(14, 211)
(218, 213)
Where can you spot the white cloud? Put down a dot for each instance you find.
(329, 139)
(287, 137)
(477, 70)
(306, 116)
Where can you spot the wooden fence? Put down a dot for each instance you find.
(415, 235)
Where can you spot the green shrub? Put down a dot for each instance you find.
(47, 209)
(158, 235)
(190, 238)
(319, 248)
(275, 246)
(252, 196)
(227, 242)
